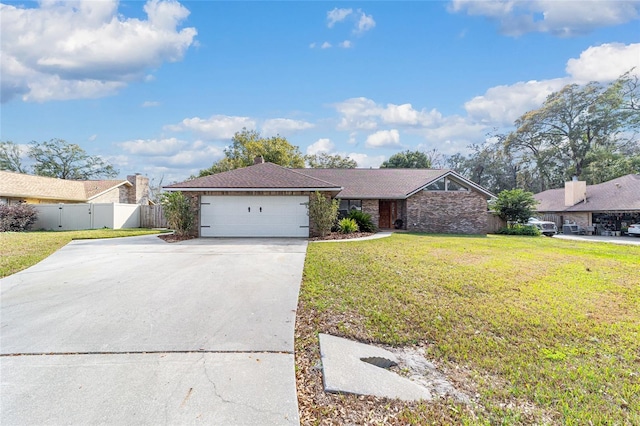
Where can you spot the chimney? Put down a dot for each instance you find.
(139, 194)
(258, 160)
(574, 192)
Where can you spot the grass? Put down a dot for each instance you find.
(543, 330)
(20, 250)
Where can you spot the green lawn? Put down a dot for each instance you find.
(544, 330)
(19, 250)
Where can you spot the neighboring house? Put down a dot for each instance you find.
(268, 200)
(607, 206)
(23, 188)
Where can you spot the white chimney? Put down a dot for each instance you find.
(574, 192)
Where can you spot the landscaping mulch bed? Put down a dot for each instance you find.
(173, 238)
(339, 236)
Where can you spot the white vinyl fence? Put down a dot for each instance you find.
(71, 217)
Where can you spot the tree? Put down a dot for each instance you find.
(327, 161)
(323, 212)
(407, 160)
(178, 212)
(489, 165)
(11, 157)
(514, 206)
(575, 121)
(60, 159)
(248, 144)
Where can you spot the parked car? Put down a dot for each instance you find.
(546, 228)
(634, 230)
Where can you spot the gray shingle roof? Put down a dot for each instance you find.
(354, 183)
(621, 194)
(258, 176)
(377, 183)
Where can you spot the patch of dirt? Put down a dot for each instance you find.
(317, 407)
(173, 238)
(455, 383)
(339, 236)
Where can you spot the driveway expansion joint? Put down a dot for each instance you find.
(144, 352)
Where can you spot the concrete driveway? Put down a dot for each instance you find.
(139, 331)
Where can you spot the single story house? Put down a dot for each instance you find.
(605, 207)
(268, 200)
(24, 188)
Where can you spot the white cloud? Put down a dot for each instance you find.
(365, 23)
(85, 49)
(604, 63)
(321, 145)
(363, 113)
(92, 138)
(502, 105)
(284, 126)
(366, 161)
(384, 139)
(149, 104)
(337, 15)
(346, 44)
(560, 18)
(325, 45)
(312, 45)
(153, 147)
(215, 127)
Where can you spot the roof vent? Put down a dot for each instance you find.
(258, 160)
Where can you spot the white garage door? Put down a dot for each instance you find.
(254, 216)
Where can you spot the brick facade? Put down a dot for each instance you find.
(442, 212)
(579, 218)
(432, 212)
(371, 207)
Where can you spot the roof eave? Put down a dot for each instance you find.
(188, 189)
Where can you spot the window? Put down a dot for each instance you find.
(446, 184)
(347, 205)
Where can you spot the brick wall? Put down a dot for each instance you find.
(442, 212)
(580, 218)
(371, 207)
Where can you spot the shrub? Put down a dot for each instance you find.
(178, 212)
(514, 205)
(365, 224)
(520, 230)
(17, 217)
(347, 226)
(323, 213)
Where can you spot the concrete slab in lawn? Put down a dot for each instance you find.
(352, 367)
(126, 327)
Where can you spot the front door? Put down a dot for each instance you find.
(388, 212)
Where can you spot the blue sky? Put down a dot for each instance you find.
(159, 87)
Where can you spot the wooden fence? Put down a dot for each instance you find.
(494, 223)
(152, 217)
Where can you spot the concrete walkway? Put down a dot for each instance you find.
(139, 331)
